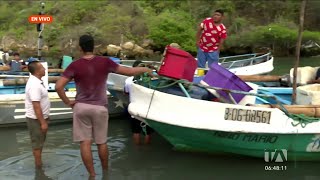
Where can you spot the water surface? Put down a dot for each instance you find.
(127, 161)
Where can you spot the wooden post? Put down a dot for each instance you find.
(41, 27)
(260, 78)
(24, 80)
(302, 12)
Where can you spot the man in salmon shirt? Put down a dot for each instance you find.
(210, 38)
(90, 112)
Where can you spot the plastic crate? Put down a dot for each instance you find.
(218, 76)
(178, 64)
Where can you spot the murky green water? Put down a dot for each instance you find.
(282, 65)
(127, 161)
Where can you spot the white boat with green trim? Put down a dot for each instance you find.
(197, 125)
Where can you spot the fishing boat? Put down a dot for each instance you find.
(198, 125)
(229, 122)
(248, 64)
(245, 64)
(12, 108)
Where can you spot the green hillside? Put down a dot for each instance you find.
(251, 24)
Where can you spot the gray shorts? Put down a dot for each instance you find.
(90, 122)
(36, 135)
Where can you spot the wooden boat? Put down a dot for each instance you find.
(197, 125)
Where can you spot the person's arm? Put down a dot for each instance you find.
(128, 71)
(23, 65)
(35, 97)
(198, 35)
(314, 81)
(38, 112)
(221, 44)
(223, 37)
(60, 84)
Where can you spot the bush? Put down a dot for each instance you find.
(169, 27)
(276, 36)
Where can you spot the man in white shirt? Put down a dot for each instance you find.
(37, 106)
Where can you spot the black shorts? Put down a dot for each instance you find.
(136, 127)
(317, 74)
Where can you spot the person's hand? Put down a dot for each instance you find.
(198, 44)
(150, 72)
(44, 127)
(71, 103)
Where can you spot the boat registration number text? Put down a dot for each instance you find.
(247, 115)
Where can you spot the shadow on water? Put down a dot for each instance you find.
(127, 161)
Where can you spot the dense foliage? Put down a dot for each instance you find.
(251, 23)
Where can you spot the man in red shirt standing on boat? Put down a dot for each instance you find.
(210, 37)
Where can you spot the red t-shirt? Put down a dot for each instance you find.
(211, 35)
(90, 77)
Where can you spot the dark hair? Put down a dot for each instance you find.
(219, 11)
(136, 63)
(86, 43)
(32, 66)
(16, 54)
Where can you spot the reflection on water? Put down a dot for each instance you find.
(62, 159)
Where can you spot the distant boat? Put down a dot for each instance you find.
(12, 108)
(248, 64)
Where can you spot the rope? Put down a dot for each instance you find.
(143, 125)
(300, 119)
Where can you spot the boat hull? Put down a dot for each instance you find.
(213, 127)
(299, 147)
(13, 112)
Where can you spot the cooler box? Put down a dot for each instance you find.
(116, 60)
(66, 61)
(308, 94)
(178, 64)
(218, 76)
(304, 74)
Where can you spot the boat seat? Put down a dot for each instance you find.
(66, 61)
(283, 101)
(308, 94)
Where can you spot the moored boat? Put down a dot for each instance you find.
(197, 125)
(12, 108)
